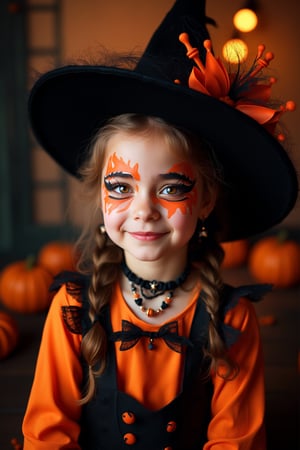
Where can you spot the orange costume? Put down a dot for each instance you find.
(232, 421)
(156, 391)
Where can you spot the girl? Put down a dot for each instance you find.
(146, 346)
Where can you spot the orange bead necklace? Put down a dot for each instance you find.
(152, 289)
(150, 312)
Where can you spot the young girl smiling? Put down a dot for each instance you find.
(146, 345)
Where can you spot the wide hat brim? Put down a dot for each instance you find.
(67, 106)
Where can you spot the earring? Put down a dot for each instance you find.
(203, 231)
(102, 229)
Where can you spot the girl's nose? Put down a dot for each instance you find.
(144, 208)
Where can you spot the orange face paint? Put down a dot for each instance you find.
(115, 167)
(190, 199)
(116, 164)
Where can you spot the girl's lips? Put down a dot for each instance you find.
(146, 236)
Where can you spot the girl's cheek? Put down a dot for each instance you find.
(110, 204)
(118, 206)
(184, 206)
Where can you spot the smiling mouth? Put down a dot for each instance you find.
(146, 235)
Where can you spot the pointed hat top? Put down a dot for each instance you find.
(164, 56)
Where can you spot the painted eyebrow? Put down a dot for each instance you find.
(177, 176)
(164, 176)
(118, 174)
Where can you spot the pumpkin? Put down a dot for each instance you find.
(235, 253)
(56, 257)
(9, 334)
(275, 260)
(24, 286)
(16, 445)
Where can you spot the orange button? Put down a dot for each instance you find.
(128, 417)
(171, 426)
(129, 438)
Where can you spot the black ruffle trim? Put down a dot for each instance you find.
(77, 319)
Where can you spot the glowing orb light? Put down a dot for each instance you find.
(245, 20)
(235, 51)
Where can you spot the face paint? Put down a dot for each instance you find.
(116, 171)
(188, 195)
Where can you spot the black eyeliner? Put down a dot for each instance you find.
(184, 188)
(109, 185)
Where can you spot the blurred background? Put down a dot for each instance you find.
(38, 202)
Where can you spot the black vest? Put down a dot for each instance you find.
(180, 425)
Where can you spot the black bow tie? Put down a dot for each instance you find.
(131, 334)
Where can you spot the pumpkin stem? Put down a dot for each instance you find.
(282, 236)
(30, 262)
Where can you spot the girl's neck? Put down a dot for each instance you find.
(162, 270)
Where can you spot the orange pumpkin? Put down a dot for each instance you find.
(57, 256)
(235, 253)
(9, 334)
(275, 260)
(24, 287)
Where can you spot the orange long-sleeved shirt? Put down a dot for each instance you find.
(53, 414)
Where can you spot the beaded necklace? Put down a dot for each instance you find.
(152, 289)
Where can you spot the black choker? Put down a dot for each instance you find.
(154, 288)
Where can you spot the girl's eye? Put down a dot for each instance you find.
(170, 190)
(118, 190)
(175, 192)
(122, 189)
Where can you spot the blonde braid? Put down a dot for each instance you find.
(210, 256)
(106, 260)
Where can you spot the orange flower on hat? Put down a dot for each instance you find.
(248, 92)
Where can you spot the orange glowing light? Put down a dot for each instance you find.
(245, 20)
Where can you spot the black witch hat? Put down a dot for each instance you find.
(69, 104)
